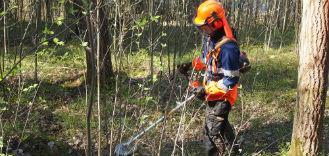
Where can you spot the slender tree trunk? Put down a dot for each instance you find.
(238, 14)
(297, 13)
(106, 70)
(5, 35)
(5, 28)
(105, 53)
(297, 21)
(36, 37)
(285, 15)
(150, 5)
(48, 11)
(256, 11)
(277, 12)
(98, 75)
(98, 39)
(90, 57)
(2, 58)
(271, 25)
(313, 68)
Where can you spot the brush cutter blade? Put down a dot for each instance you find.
(123, 150)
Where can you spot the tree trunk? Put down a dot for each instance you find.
(90, 57)
(48, 12)
(2, 58)
(36, 37)
(97, 23)
(106, 70)
(5, 28)
(307, 134)
(285, 15)
(297, 20)
(150, 9)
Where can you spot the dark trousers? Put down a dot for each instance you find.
(219, 135)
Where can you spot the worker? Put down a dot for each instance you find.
(220, 59)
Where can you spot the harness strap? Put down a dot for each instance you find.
(214, 54)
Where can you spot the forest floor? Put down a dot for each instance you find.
(48, 117)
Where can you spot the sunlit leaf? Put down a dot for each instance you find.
(2, 101)
(155, 18)
(58, 42)
(141, 22)
(47, 31)
(142, 119)
(1, 142)
(164, 34)
(154, 78)
(59, 20)
(45, 43)
(139, 34)
(84, 44)
(14, 7)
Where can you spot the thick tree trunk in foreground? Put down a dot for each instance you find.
(307, 137)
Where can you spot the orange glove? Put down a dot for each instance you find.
(197, 64)
(194, 84)
(197, 89)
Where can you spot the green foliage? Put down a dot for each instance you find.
(155, 18)
(2, 13)
(47, 31)
(143, 119)
(84, 44)
(284, 149)
(63, 1)
(30, 88)
(58, 42)
(3, 106)
(15, 71)
(140, 23)
(59, 20)
(1, 142)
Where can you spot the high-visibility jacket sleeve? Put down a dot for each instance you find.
(229, 57)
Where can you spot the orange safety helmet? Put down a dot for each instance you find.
(212, 12)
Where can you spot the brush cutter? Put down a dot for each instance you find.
(127, 148)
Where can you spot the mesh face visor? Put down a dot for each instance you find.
(205, 29)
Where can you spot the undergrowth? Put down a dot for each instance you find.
(262, 116)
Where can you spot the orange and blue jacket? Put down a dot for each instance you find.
(224, 67)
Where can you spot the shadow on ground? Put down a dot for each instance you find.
(41, 133)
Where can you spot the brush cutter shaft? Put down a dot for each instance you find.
(179, 104)
(145, 130)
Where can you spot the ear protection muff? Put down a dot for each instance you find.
(215, 21)
(217, 24)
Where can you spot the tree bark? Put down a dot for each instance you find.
(106, 70)
(90, 57)
(36, 37)
(297, 20)
(48, 12)
(105, 53)
(307, 134)
(285, 15)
